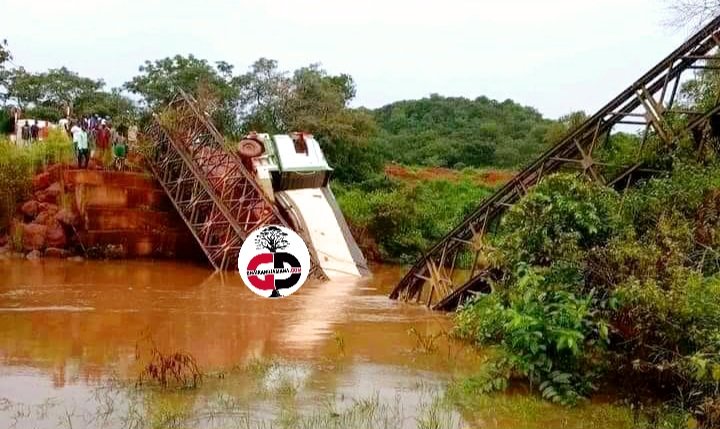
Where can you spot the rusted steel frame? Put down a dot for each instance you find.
(219, 139)
(218, 253)
(691, 125)
(227, 178)
(210, 229)
(203, 134)
(162, 175)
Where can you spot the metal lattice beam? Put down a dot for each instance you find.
(215, 195)
(648, 103)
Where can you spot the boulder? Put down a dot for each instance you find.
(54, 191)
(67, 217)
(56, 171)
(33, 236)
(43, 197)
(41, 181)
(44, 218)
(55, 235)
(33, 255)
(48, 207)
(54, 252)
(30, 208)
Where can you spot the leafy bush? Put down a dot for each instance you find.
(406, 218)
(601, 285)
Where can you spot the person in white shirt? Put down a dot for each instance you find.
(75, 133)
(80, 139)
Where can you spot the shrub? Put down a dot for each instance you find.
(601, 284)
(19, 163)
(406, 218)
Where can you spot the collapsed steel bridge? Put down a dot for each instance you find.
(436, 279)
(218, 199)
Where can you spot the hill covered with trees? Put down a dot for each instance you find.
(457, 132)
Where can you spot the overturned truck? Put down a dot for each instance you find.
(223, 193)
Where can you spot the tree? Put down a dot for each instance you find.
(55, 91)
(111, 104)
(160, 81)
(318, 100)
(263, 93)
(693, 13)
(310, 100)
(272, 238)
(318, 103)
(5, 57)
(564, 125)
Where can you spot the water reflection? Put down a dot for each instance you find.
(81, 320)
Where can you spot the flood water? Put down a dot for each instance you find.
(69, 329)
(66, 327)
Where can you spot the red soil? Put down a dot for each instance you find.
(490, 178)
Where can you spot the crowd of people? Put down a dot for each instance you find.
(97, 138)
(94, 138)
(32, 131)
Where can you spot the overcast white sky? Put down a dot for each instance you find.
(557, 56)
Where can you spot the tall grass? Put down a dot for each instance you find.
(19, 163)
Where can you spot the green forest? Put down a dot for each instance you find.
(458, 132)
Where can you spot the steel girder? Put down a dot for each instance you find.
(215, 195)
(648, 103)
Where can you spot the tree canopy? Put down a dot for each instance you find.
(5, 57)
(459, 132)
(54, 93)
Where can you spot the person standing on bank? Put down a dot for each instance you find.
(83, 149)
(75, 133)
(34, 131)
(25, 132)
(102, 142)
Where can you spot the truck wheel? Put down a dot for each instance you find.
(250, 148)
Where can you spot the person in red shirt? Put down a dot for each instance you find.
(103, 137)
(102, 142)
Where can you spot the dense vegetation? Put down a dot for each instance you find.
(594, 286)
(19, 163)
(458, 132)
(396, 221)
(599, 286)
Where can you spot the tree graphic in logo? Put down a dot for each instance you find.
(272, 238)
(274, 261)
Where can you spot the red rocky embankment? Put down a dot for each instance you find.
(97, 214)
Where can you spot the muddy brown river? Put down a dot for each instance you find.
(334, 354)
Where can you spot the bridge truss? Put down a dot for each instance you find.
(649, 104)
(215, 195)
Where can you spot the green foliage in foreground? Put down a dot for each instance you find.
(19, 163)
(403, 218)
(603, 285)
